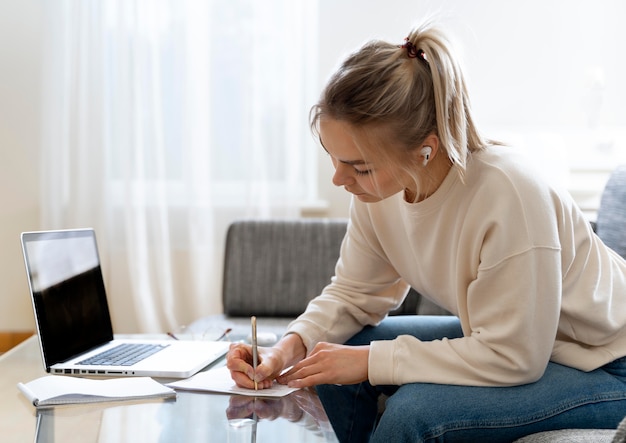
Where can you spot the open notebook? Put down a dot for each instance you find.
(73, 320)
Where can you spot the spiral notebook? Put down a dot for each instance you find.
(53, 390)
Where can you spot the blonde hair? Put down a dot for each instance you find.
(409, 92)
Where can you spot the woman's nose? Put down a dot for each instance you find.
(342, 176)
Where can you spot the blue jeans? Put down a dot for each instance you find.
(422, 412)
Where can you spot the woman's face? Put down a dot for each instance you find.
(367, 181)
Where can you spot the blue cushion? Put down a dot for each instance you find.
(611, 221)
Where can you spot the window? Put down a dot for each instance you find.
(209, 100)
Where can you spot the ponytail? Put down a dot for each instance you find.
(411, 91)
(455, 126)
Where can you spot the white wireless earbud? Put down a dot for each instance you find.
(426, 151)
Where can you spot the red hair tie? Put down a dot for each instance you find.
(411, 50)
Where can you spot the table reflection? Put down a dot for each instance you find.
(302, 407)
(193, 416)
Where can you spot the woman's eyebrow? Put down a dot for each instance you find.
(345, 162)
(353, 162)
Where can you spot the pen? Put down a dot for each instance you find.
(224, 335)
(254, 425)
(255, 351)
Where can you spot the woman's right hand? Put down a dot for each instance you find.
(239, 363)
(272, 361)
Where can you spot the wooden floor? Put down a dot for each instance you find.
(11, 339)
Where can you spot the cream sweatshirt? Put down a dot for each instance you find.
(509, 254)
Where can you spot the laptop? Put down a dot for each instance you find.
(73, 320)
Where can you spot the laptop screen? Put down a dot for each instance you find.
(69, 297)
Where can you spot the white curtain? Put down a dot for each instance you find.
(163, 121)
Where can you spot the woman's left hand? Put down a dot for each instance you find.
(329, 364)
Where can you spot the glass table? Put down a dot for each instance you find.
(193, 416)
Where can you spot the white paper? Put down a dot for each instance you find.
(59, 389)
(219, 380)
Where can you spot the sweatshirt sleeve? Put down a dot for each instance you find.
(509, 321)
(363, 291)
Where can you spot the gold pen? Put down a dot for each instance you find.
(255, 351)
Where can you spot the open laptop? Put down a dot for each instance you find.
(73, 320)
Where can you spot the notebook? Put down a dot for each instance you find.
(73, 320)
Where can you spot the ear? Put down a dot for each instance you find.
(428, 149)
(425, 152)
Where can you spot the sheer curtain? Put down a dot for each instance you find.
(163, 121)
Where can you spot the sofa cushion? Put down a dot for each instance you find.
(570, 436)
(611, 221)
(275, 267)
(579, 436)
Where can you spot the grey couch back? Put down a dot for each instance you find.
(275, 267)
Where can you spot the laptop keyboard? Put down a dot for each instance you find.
(125, 354)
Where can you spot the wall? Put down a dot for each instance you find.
(544, 75)
(20, 70)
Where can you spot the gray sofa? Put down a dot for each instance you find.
(273, 268)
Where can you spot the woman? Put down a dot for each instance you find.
(540, 302)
